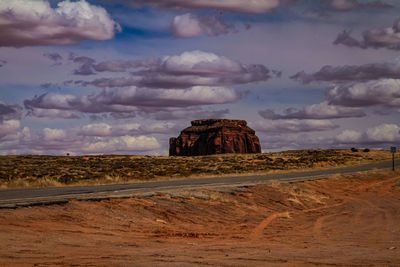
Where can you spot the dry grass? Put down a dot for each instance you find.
(296, 193)
(45, 171)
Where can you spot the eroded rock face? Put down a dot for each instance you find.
(215, 136)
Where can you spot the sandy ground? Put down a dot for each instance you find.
(351, 220)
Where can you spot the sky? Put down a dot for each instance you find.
(123, 76)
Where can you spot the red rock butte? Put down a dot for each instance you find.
(215, 136)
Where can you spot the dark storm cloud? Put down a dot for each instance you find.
(352, 73)
(320, 111)
(377, 38)
(29, 23)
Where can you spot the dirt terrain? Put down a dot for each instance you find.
(350, 220)
(46, 171)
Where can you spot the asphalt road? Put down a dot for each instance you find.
(12, 198)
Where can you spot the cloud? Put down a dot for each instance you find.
(122, 66)
(345, 101)
(30, 23)
(257, 7)
(104, 129)
(349, 136)
(16, 139)
(2, 63)
(319, 111)
(52, 113)
(281, 142)
(384, 92)
(9, 127)
(351, 73)
(158, 128)
(12, 134)
(10, 111)
(55, 57)
(59, 145)
(107, 130)
(347, 5)
(377, 38)
(382, 134)
(190, 113)
(293, 126)
(123, 143)
(133, 99)
(194, 68)
(54, 134)
(86, 66)
(189, 25)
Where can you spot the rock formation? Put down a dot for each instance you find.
(215, 136)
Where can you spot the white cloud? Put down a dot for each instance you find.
(351, 73)
(293, 126)
(58, 141)
(381, 134)
(54, 134)
(29, 22)
(132, 99)
(123, 143)
(349, 136)
(158, 127)
(96, 129)
(52, 113)
(376, 38)
(384, 133)
(104, 129)
(189, 25)
(319, 111)
(9, 127)
(193, 68)
(383, 92)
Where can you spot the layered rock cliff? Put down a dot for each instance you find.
(215, 136)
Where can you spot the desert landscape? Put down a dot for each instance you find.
(199, 133)
(47, 171)
(344, 220)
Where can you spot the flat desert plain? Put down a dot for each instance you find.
(345, 220)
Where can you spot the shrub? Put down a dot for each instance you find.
(353, 149)
(366, 150)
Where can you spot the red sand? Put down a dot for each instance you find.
(337, 222)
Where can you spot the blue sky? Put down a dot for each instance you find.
(121, 77)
